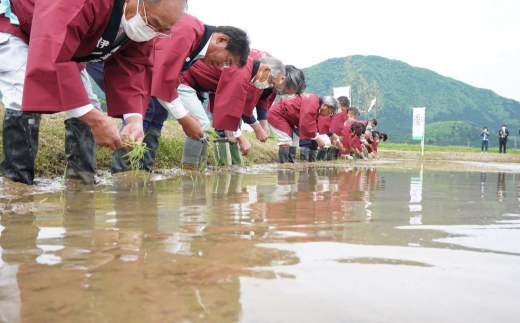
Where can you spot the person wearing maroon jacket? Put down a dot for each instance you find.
(232, 87)
(44, 40)
(324, 129)
(299, 112)
(191, 41)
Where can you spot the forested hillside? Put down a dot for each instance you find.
(455, 114)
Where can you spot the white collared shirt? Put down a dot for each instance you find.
(203, 52)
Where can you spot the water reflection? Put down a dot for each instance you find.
(181, 250)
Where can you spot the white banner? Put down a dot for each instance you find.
(342, 91)
(419, 116)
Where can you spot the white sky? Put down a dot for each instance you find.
(474, 41)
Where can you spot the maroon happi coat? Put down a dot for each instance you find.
(171, 54)
(59, 30)
(324, 125)
(296, 111)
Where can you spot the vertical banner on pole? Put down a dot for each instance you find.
(419, 121)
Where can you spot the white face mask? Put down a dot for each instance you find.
(369, 127)
(262, 85)
(136, 28)
(503, 128)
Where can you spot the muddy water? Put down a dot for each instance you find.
(395, 242)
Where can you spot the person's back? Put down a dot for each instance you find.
(485, 139)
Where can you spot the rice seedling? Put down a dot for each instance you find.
(136, 154)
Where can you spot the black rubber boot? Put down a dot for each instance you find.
(322, 154)
(292, 154)
(80, 151)
(312, 156)
(152, 138)
(332, 153)
(119, 163)
(304, 154)
(20, 145)
(283, 155)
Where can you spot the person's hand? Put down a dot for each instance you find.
(103, 128)
(133, 131)
(347, 157)
(339, 145)
(320, 142)
(357, 151)
(265, 125)
(245, 146)
(230, 137)
(259, 132)
(192, 127)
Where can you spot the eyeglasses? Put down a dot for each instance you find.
(157, 34)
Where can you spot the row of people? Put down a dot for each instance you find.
(151, 59)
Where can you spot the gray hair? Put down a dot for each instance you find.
(355, 110)
(295, 79)
(331, 102)
(274, 64)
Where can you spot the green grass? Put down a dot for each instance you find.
(458, 149)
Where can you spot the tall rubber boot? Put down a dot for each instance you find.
(322, 154)
(20, 145)
(304, 154)
(119, 163)
(332, 153)
(222, 153)
(283, 154)
(152, 138)
(236, 154)
(80, 151)
(191, 154)
(312, 155)
(204, 154)
(292, 154)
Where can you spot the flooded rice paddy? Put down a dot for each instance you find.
(387, 242)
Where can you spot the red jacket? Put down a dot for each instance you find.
(171, 55)
(66, 29)
(296, 111)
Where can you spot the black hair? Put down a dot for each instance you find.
(295, 79)
(504, 125)
(358, 128)
(344, 102)
(486, 128)
(384, 136)
(374, 122)
(375, 132)
(238, 42)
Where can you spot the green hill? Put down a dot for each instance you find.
(456, 112)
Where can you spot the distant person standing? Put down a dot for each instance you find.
(485, 139)
(502, 139)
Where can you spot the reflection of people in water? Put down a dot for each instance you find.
(483, 184)
(501, 186)
(18, 241)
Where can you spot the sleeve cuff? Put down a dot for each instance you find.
(79, 112)
(175, 107)
(128, 115)
(237, 133)
(315, 137)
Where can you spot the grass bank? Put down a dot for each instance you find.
(50, 160)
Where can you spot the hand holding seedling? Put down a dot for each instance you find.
(259, 132)
(103, 128)
(245, 146)
(265, 126)
(133, 131)
(192, 127)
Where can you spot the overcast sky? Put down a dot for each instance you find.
(474, 41)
